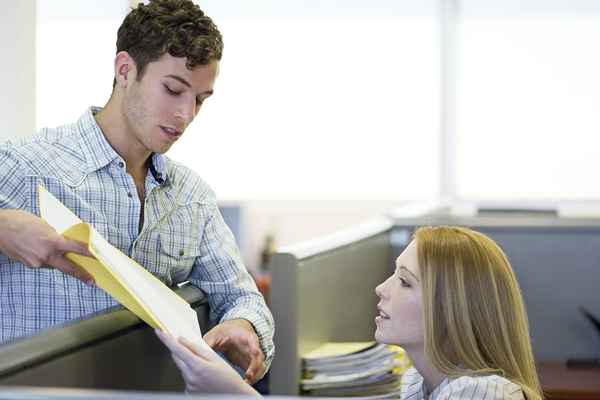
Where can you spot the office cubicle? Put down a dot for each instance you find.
(323, 290)
(109, 350)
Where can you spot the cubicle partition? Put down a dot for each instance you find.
(323, 290)
(111, 350)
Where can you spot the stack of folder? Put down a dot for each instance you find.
(363, 369)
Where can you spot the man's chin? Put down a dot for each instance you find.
(162, 149)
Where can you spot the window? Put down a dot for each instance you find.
(320, 101)
(75, 52)
(528, 100)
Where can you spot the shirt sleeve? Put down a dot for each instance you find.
(231, 291)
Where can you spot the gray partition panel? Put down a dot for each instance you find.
(113, 350)
(558, 270)
(327, 296)
(338, 293)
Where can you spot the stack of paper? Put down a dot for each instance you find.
(364, 369)
(121, 277)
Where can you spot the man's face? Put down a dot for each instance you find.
(159, 107)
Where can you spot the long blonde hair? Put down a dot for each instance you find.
(473, 313)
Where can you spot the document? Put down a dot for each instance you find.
(121, 277)
(337, 349)
(363, 369)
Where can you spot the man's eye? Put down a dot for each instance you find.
(170, 91)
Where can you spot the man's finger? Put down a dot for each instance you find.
(216, 342)
(196, 348)
(209, 339)
(63, 264)
(73, 246)
(257, 368)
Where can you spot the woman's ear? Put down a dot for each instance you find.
(124, 68)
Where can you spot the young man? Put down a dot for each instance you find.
(109, 168)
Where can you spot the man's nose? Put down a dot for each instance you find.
(185, 112)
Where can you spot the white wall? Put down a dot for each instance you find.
(75, 71)
(17, 70)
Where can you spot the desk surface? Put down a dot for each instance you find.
(562, 383)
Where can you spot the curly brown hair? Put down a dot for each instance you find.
(177, 27)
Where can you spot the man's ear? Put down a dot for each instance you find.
(124, 68)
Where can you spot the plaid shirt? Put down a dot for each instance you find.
(183, 237)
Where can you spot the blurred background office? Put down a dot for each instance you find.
(329, 112)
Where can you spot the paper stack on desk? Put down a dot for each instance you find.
(363, 369)
(120, 276)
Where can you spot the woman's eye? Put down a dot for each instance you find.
(404, 282)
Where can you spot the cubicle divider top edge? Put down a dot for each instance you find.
(108, 350)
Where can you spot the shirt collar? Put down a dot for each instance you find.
(96, 149)
(158, 168)
(99, 153)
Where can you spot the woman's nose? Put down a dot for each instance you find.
(380, 289)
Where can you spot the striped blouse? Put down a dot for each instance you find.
(490, 387)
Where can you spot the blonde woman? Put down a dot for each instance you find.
(453, 304)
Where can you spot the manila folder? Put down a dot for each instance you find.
(120, 276)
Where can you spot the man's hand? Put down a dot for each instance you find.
(30, 240)
(238, 340)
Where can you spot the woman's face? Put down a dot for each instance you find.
(400, 319)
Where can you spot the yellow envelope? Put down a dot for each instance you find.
(121, 277)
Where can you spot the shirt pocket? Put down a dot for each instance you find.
(179, 237)
(75, 199)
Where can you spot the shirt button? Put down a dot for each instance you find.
(181, 253)
(121, 165)
(129, 195)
